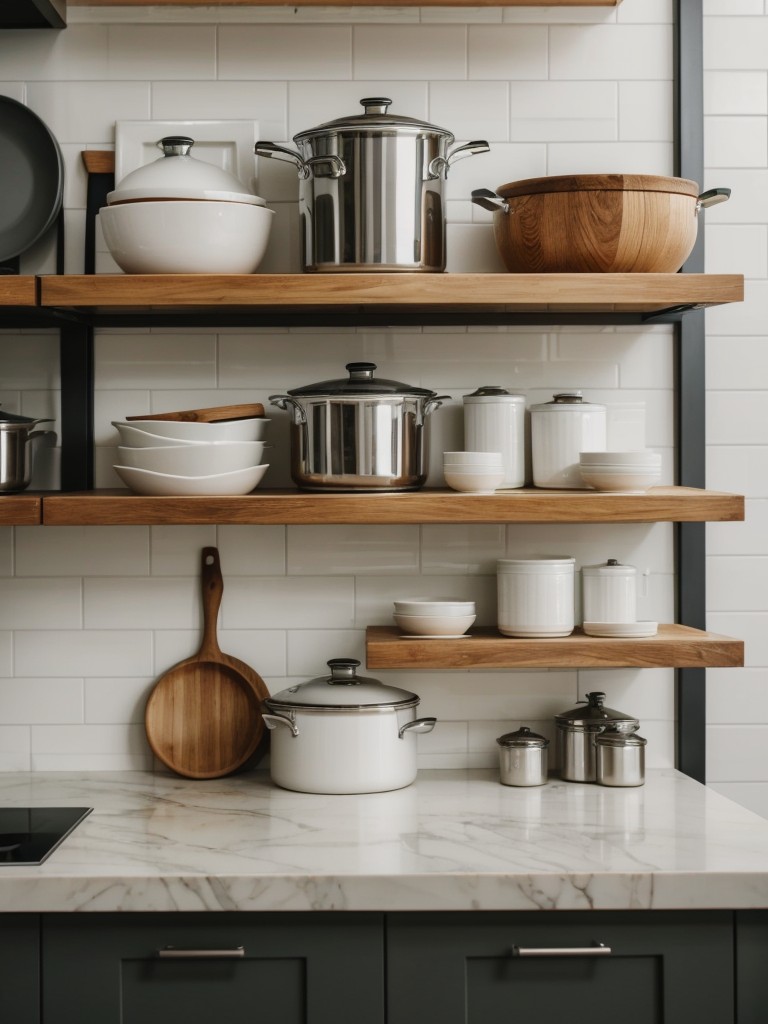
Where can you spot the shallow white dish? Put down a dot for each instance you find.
(434, 625)
(621, 478)
(193, 459)
(434, 606)
(226, 144)
(482, 481)
(180, 236)
(471, 460)
(621, 629)
(143, 481)
(254, 429)
(636, 459)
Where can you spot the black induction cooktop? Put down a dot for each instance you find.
(30, 834)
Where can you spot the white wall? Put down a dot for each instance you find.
(736, 148)
(90, 616)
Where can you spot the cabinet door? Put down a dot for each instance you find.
(20, 968)
(751, 963)
(294, 969)
(664, 968)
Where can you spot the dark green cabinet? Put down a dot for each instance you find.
(663, 968)
(20, 968)
(752, 966)
(205, 968)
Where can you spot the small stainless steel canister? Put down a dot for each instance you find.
(620, 758)
(577, 730)
(522, 758)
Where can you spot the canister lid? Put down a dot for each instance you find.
(375, 118)
(610, 568)
(522, 737)
(565, 401)
(596, 714)
(361, 381)
(493, 392)
(617, 738)
(535, 565)
(342, 689)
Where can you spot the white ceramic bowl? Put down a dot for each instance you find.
(254, 429)
(143, 481)
(620, 478)
(434, 606)
(477, 480)
(193, 459)
(471, 460)
(434, 625)
(181, 236)
(642, 458)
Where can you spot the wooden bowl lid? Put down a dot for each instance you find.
(597, 183)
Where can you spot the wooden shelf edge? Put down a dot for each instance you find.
(674, 646)
(356, 3)
(21, 510)
(529, 293)
(18, 290)
(429, 505)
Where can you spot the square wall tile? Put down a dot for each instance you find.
(408, 52)
(82, 551)
(736, 417)
(352, 550)
(746, 318)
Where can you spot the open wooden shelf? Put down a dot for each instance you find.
(20, 509)
(346, 3)
(292, 507)
(18, 290)
(673, 647)
(415, 293)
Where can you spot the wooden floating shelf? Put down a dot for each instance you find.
(673, 647)
(20, 510)
(292, 507)
(340, 3)
(411, 293)
(18, 290)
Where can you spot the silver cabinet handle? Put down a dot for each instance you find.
(599, 949)
(174, 953)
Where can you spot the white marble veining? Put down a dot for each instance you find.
(455, 840)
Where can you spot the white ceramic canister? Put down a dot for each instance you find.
(535, 596)
(560, 429)
(494, 421)
(609, 592)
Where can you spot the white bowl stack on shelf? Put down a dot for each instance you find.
(434, 618)
(474, 472)
(620, 471)
(179, 457)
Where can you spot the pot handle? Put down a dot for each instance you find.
(434, 403)
(272, 722)
(712, 197)
(284, 402)
(441, 164)
(417, 725)
(489, 200)
(41, 433)
(289, 156)
(336, 168)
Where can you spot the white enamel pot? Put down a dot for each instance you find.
(343, 733)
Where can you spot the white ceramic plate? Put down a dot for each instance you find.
(621, 629)
(193, 459)
(227, 144)
(253, 429)
(142, 481)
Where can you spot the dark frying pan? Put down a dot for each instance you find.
(31, 178)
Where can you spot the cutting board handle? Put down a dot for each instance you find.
(212, 591)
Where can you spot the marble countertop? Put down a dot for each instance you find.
(455, 840)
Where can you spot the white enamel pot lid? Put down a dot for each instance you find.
(612, 567)
(493, 393)
(342, 689)
(565, 401)
(179, 175)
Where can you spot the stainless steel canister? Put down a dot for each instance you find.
(494, 421)
(361, 433)
(577, 730)
(522, 758)
(16, 452)
(620, 758)
(371, 190)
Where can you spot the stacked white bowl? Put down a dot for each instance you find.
(620, 471)
(434, 617)
(176, 457)
(474, 472)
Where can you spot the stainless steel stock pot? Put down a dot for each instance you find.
(361, 433)
(371, 190)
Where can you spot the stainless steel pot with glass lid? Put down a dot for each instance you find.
(371, 190)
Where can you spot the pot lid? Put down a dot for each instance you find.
(375, 118)
(598, 183)
(618, 738)
(494, 391)
(565, 400)
(343, 689)
(178, 175)
(595, 713)
(361, 381)
(612, 567)
(522, 737)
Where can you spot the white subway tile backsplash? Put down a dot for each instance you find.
(735, 43)
(746, 538)
(507, 52)
(6, 653)
(736, 696)
(621, 52)
(302, 602)
(252, 550)
(737, 249)
(263, 102)
(738, 141)
(735, 92)
(49, 603)
(460, 549)
(80, 53)
(645, 111)
(748, 203)
(352, 550)
(30, 362)
(76, 652)
(168, 361)
(714, 8)
(285, 52)
(77, 112)
(116, 701)
(408, 52)
(14, 748)
(177, 550)
(82, 551)
(148, 603)
(637, 11)
(471, 110)
(262, 649)
(309, 650)
(491, 695)
(141, 52)
(741, 470)
(610, 158)
(751, 627)
(41, 701)
(736, 753)
(737, 583)
(644, 546)
(6, 550)
(737, 417)
(745, 318)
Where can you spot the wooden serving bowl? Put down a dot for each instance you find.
(590, 223)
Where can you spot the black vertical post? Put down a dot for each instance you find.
(690, 393)
(76, 362)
